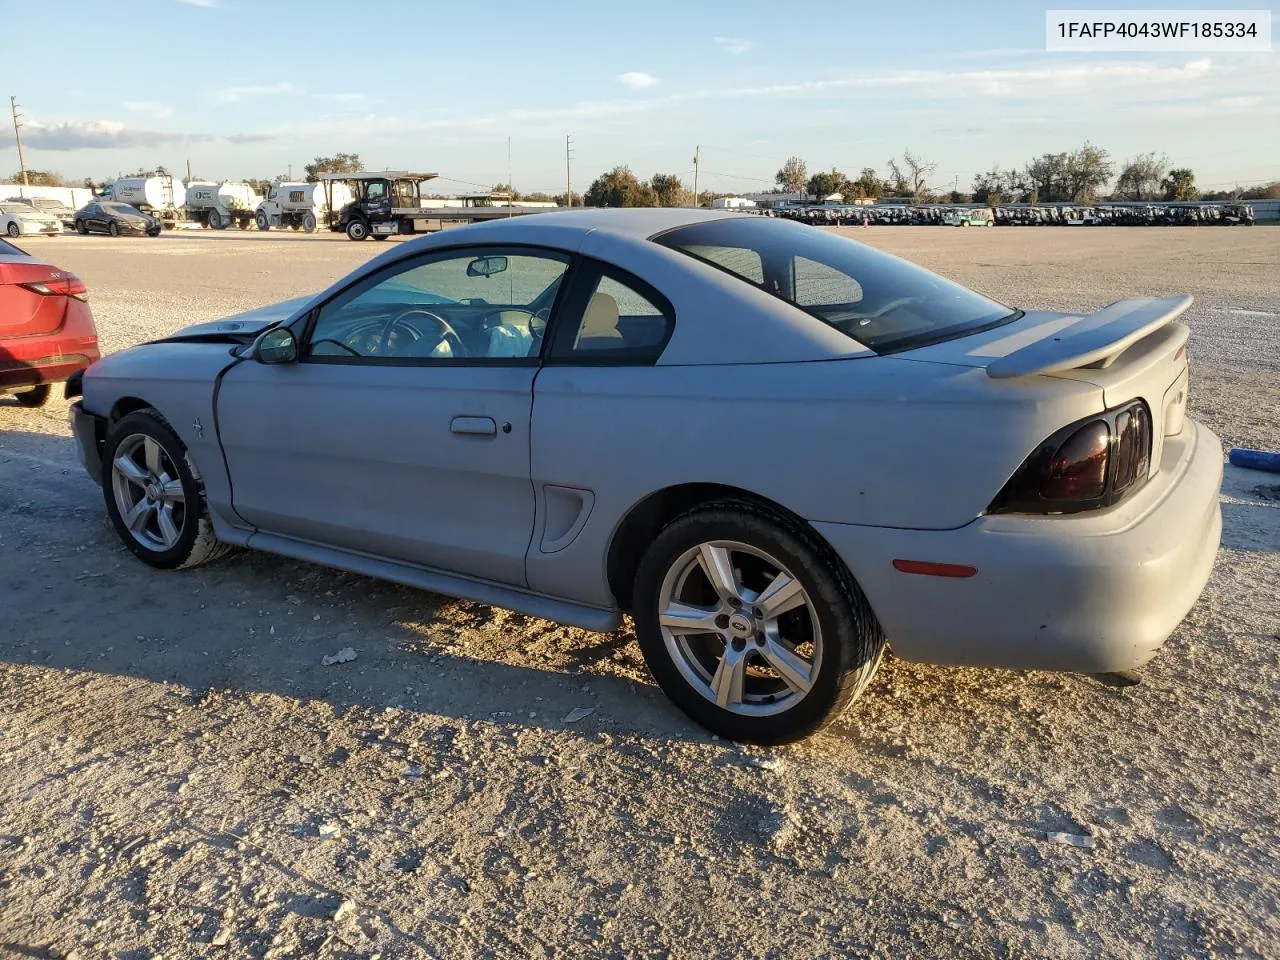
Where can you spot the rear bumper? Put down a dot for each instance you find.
(45, 370)
(1084, 592)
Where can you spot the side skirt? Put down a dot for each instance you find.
(423, 578)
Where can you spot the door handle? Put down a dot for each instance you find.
(475, 426)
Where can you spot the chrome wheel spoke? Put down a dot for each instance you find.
(782, 594)
(125, 466)
(171, 492)
(726, 685)
(138, 515)
(168, 529)
(718, 567)
(152, 454)
(793, 668)
(682, 618)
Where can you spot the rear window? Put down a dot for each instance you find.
(876, 299)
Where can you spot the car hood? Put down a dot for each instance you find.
(241, 326)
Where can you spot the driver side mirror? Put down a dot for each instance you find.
(486, 266)
(276, 345)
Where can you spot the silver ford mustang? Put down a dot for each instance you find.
(776, 448)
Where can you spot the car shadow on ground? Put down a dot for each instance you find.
(255, 622)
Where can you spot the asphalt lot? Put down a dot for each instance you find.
(179, 771)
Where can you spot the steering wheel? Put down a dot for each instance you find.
(444, 331)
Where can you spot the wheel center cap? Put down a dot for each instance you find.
(741, 625)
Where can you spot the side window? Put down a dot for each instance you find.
(818, 285)
(615, 318)
(375, 190)
(477, 304)
(743, 261)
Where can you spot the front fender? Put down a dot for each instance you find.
(178, 380)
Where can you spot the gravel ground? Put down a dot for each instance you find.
(181, 777)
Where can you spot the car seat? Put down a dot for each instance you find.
(599, 330)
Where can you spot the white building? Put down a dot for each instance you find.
(732, 203)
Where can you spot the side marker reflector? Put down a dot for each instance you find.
(934, 569)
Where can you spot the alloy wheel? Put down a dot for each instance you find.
(148, 492)
(740, 627)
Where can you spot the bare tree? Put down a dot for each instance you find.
(1141, 177)
(911, 176)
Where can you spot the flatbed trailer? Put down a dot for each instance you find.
(388, 203)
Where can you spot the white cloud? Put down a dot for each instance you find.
(734, 45)
(637, 80)
(236, 94)
(206, 4)
(149, 108)
(98, 135)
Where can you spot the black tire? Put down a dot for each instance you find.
(14, 230)
(196, 543)
(215, 220)
(81, 228)
(36, 397)
(112, 229)
(309, 222)
(357, 230)
(262, 220)
(852, 640)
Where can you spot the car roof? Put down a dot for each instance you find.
(637, 223)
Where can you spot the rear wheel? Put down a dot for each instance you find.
(154, 499)
(357, 230)
(309, 223)
(112, 229)
(215, 220)
(751, 625)
(35, 397)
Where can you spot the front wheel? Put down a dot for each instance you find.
(153, 497)
(262, 221)
(357, 230)
(112, 229)
(751, 625)
(13, 230)
(215, 220)
(81, 228)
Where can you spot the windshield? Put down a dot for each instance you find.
(122, 209)
(17, 209)
(876, 299)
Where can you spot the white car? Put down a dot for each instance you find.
(18, 219)
(776, 448)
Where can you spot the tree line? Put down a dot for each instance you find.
(1078, 176)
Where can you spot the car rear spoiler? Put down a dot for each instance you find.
(1095, 339)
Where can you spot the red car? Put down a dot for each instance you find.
(46, 327)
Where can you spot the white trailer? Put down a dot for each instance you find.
(163, 197)
(299, 206)
(219, 205)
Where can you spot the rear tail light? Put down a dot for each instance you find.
(1090, 464)
(1078, 470)
(68, 285)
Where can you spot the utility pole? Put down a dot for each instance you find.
(696, 151)
(17, 132)
(189, 177)
(511, 190)
(568, 174)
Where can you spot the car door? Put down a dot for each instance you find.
(94, 221)
(402, 430)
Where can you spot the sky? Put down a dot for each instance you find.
(254, 88)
